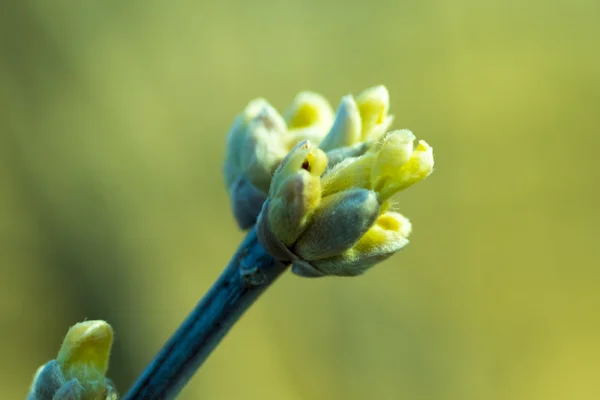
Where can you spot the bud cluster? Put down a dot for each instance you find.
(322, 184)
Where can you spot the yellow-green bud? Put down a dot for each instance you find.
(85, 351)
(373, 105)
(79, 371)
(295, 191)
(309, 109)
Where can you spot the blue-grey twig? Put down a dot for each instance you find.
(248, 274)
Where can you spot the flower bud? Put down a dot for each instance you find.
(85, 353)
(386, 237)
(87, 344)
(386, 169)
(254, 149)
(373, 105)
(80, 367)
(418, 167)
(308, 118)
(237, 137)
(346, 129)
(263, 147)
(396, 150)
(309, 109)
(295, 191)
(337, 224)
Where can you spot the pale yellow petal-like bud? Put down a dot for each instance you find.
(309, 109)
(337, 224)
(386, 237)
(373, 105)
(295, 192)
(304, 156)
(379, 130)
(85, 353)
(350, 173)
(346, 129)
(309, 118)
(395, 151)
(417, 168)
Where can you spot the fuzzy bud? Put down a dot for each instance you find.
(79, 371)
(346, 129)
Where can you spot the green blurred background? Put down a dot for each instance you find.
(113, 118)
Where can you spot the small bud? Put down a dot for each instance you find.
(373, 105)
(386, 169)
(295, 191)
(346, 129)
(308, 118)
(237, 137)
(309, 109)
(396, 150)
(337, 224)
(85, 353)
(80, 367)
(299, 195)
(86, 346)
(254, 149)
(263, 148)
(418, 167)
(304, 156)
(386, 237)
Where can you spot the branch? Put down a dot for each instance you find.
(249, 273)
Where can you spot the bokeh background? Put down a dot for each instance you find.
(113, 118)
